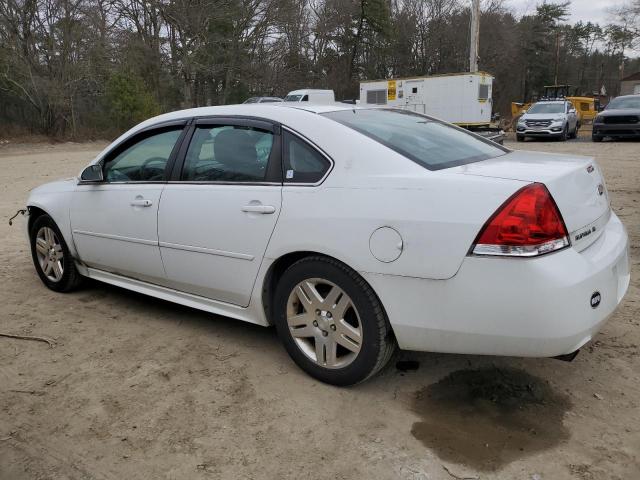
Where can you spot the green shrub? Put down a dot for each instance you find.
(128, 101)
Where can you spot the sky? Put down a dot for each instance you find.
(585, 10)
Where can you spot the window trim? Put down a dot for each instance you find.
(313, 146)
(138, 137)
(273, 175)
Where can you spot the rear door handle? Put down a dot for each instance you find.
(264, 209)
(141, 202)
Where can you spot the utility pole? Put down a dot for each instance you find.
(475, 36)
(557, 56)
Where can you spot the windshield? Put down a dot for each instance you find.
(428, 142)
(292, 98)
(547, 108)
(623, 103)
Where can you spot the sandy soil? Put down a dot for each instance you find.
(138, 388)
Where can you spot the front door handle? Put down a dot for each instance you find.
(141, 202)
(264, 209)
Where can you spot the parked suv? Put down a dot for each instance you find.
(621, 119)
(549, 118)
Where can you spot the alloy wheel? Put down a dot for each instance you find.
(324, 323)
(50, 254)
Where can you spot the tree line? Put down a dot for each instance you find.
(96, 67)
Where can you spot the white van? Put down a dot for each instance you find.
(311, 96)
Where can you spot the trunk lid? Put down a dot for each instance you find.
(575, 183)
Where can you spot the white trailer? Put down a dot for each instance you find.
(462, 98)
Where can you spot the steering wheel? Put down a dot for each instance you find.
(159, 171)
(115, 175)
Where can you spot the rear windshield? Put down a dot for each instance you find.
(428, 142)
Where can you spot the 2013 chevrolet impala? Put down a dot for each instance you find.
(353, 230)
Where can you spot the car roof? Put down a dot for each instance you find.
(282, 112)
(252, 109)
(309, 90)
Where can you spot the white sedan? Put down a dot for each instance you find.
(353, 230)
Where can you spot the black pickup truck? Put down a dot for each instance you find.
(620, 119)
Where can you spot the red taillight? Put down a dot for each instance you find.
(528, 224)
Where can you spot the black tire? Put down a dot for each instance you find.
(565, 134)
(596, 138)
(378, 344)
(70, 278)
(519, 138)
(574, 134)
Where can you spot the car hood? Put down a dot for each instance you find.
(64, 185)
(543, 116)
(618, 112)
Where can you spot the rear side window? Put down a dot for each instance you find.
(428, 142)
(227, 153)
(302, 162)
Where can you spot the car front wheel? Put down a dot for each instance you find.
(51, 256)
(331, 322)
(565, 134)
(574, 134)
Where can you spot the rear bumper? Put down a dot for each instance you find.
(517, 307)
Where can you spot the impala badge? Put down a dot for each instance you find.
(590, 169)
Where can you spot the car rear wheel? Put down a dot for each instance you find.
(596, 138)
(51, 256)
(331, 322)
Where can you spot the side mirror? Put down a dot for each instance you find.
(93, 173)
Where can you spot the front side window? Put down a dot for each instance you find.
(428, 142)
(227, 153)
(293, 98)
(302, 163)
(144, 161)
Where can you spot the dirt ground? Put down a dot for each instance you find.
(138, 388)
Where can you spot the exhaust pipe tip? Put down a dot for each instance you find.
(567, 357)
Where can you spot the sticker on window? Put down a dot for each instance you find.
(289, 173)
